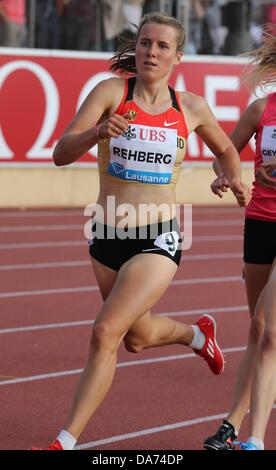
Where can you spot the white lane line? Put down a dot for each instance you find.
(61, 264)
(80, 263)
(60, 227)
(206, 280)
(147, 432)
(119, 365)
(46, 326)
(217, 238)
(40, 228)
(71, 290)
(155, 430)
(34, 245)
(51, 213)
(65, 290)
(65, 243)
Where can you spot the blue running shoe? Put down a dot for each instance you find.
(244, 446)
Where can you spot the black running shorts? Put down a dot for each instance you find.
(259, 241)
(114, 246)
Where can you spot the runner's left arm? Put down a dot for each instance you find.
(224, 150)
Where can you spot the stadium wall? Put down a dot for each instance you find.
(41, 92)
(78, 187)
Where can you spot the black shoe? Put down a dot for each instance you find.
(223, 438)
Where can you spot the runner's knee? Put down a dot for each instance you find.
(104, 337)
(256, 329)
(269, 340)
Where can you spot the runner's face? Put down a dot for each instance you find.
(156, 53)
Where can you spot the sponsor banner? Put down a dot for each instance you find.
(41, 91)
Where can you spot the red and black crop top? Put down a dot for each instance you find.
(153, 147)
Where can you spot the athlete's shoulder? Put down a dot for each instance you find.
(192, 101)
(258, 105)
(196, 110)
(255, 110)
(112, 85)
(107, 92)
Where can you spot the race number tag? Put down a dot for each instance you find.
(268, 144)
(168, 242)
(144, 154)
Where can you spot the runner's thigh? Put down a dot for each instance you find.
(139, 285)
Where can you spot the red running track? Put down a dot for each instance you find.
(164, 398)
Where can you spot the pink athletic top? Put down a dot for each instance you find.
(263, 203)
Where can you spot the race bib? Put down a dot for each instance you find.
(144, 154)
(168, 242)
(268, 144)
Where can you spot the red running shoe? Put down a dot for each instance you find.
(55, 445)
(210, 352)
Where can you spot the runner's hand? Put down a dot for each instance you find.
(266, 174)
(114, 126)
(241, 192)
(220, 185)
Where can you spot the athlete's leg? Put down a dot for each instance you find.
(149, 330)
(256, 276)
(139, 285)
(264, 377)
(105, 277)
(156, 330)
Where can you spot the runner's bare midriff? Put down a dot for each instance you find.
(138, 201)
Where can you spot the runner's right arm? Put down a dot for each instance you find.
(91, 123)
